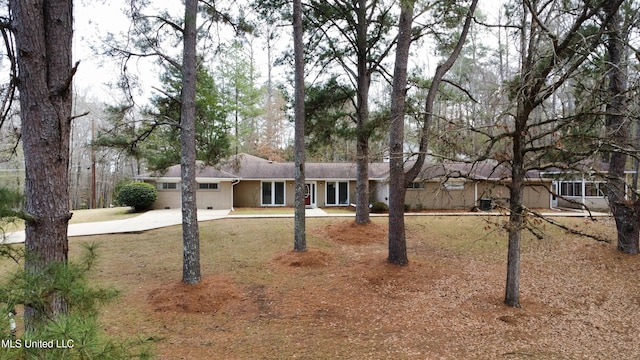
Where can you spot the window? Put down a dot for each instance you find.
(595, 189)
(337, 193)
(571, 188)
(591, 188)
(168, 186)
(208, 186)
(454, 185)
(416, 185)
(272, 193)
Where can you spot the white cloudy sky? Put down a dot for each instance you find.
(94, 18)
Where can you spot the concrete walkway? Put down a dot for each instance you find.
(149, 220)
(155, 219)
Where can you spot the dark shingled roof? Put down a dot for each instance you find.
(202, 171)
(249, 167)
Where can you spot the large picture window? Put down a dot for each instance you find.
(337, 193)
(273, 193)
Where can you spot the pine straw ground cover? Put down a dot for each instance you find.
(341, 299)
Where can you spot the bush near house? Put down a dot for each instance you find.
(379, 207)
(138, 195)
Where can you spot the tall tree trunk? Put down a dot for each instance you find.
(300, 242)
(190, 232)
(518, 171)
(397, 186)
(43, 34)
(362, 126)
(399, 180)
(512, 292)
(618, 127)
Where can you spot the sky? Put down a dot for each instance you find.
(92, 20)
(95, 18)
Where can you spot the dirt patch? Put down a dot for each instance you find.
(207, 297)
(307, 259)
(350, 232)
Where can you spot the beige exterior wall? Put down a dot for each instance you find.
(168, 199)
(247, 194)
(220, 199)
(434, 196)
(321, 189)
(290, 191)
(215, 199)
(537, 196)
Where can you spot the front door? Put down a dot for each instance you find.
(310, 194)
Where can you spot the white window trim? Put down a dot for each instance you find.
(417, 185)
(453, 185)
(583, 188)
(217, 184)
(337, 194)
(273, 193)
(163, 186)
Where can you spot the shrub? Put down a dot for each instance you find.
(138, 195)
(76, 334)
(378, 207)
(116, 190)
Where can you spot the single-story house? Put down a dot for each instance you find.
(249, 181)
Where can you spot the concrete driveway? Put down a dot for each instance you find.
(153, 219)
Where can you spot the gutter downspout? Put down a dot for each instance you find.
(475, 193)
(583, 197)
(233, 183)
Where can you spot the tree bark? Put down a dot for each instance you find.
(190, 231)
(362, 126)
(43, 34)
(399, 180)
(512, 290)
(618, 128)
(397, 187)
(300, 242)
(524, 108)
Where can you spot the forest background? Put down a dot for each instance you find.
(255, 64)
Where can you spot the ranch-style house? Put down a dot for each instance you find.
(249, 181)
